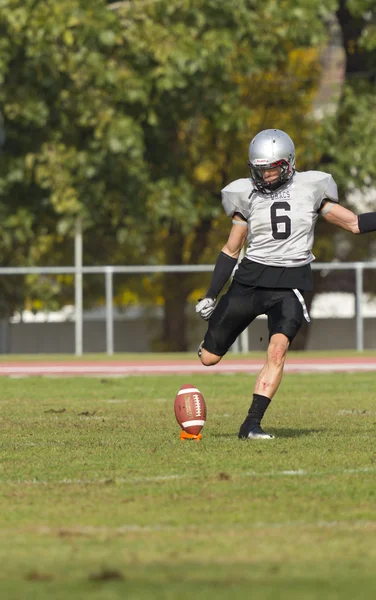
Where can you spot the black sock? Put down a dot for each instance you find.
(257, 410)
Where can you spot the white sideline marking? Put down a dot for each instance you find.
(130, 480)
(301, 472)
(298, 472)
(363, 413)
(117, 401)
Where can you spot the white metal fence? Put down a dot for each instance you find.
(109, 272)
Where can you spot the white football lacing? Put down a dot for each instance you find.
(196, 399)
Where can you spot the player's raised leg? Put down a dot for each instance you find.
(235, 311)
(267, 384)
(207, 358)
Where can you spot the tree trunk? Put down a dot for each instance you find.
(178, 286)
(175, 292)
(174, 336)
(351, 28)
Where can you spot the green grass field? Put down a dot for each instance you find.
(101, 500)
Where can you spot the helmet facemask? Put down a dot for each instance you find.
(257, 174)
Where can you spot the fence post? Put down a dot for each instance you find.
(109, 312)
(78, 302)
(359, 307)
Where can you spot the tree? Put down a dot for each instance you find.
(349, 136)
(74, 145)
(134, 118)
(347, 144)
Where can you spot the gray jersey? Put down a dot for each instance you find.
(281, 224)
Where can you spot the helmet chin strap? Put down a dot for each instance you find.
(275, 185)
(268, 188)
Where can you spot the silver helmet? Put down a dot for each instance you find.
(271, 148)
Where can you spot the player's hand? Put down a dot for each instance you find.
(206, 307)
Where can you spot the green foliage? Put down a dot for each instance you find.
(352, 130)
(348, 139)
(73, 145)
(67, 98)
(134, 118)
(354, 165)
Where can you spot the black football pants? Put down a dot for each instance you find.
(241, 305)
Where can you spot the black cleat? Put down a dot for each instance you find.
(253, 433)
(199, 349)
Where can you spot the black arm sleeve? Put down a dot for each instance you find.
(367, 222)
(222, 271)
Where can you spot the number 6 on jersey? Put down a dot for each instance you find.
(277, 219)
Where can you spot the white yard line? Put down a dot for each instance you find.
(194, 529)
(163, 478)
(108, 481)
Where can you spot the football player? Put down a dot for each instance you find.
(275, 211)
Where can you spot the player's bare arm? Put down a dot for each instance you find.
(346, 219)
(237, 237)
(340, 216)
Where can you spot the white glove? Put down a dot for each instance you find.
(206, 307)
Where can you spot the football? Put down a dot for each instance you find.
(190, 409)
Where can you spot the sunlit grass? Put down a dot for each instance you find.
(100, 499)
